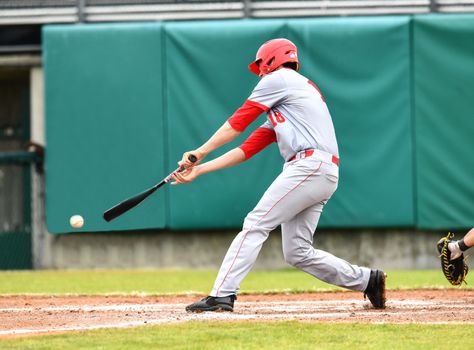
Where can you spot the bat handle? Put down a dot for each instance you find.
(192, 158)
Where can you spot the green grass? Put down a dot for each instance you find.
(258, 335)
(186, 281)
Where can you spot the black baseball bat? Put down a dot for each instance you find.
(132, 202)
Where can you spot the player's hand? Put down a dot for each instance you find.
(186, 163)
(185, 176)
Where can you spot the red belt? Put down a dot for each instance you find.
(309, 153)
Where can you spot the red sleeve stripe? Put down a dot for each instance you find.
(245, 115)
(258, 140)
(259, 105)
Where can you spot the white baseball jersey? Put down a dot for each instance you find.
(296, 112)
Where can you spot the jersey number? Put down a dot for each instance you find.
(276, 118)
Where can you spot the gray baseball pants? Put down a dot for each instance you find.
(295, 201)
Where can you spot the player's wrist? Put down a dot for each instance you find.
(199, 170)
(202, 152)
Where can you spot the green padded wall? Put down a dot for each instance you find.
(362, 66)
(104, 121)
(208, 80)
(444, 87)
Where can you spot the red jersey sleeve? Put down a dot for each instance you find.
(258, 140)
(246, 114)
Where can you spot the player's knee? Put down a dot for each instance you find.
(250, 224)
(291, 260)
(295, 257)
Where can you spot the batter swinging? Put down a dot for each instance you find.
(299, 121)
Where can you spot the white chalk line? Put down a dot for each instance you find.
(81, 328)
(283, 305)
(209, 316)
(287, 310)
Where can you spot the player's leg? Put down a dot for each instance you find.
(301, 185)
(469, 238)
(298, 250)
(297, 238)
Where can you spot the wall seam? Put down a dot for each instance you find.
(165, 130)
(411, 48)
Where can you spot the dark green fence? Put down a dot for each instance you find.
(124, 101)
(15, 210)
(15, 170)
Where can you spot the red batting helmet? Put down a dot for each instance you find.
(272, 55)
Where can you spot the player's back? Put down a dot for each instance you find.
(308, 121)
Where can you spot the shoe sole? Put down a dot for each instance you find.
(216, 308)
(383, 298)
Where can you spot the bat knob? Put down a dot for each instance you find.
(192, 158)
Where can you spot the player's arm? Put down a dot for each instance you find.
(257, 141)
(225, 134)
(231, 158)
(469, 238)
(232, 128)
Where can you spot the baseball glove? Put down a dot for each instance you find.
(454, 270)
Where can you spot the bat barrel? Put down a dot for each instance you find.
(132, 202)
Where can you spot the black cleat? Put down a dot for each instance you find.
(213, 304)
(375, 290)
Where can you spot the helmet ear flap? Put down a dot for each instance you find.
(254, 67)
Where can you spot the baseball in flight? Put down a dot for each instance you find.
(76, 221)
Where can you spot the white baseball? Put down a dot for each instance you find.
(76, 221)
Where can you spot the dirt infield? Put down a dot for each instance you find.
(30, 315)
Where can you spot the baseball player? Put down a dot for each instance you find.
(298, 120)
